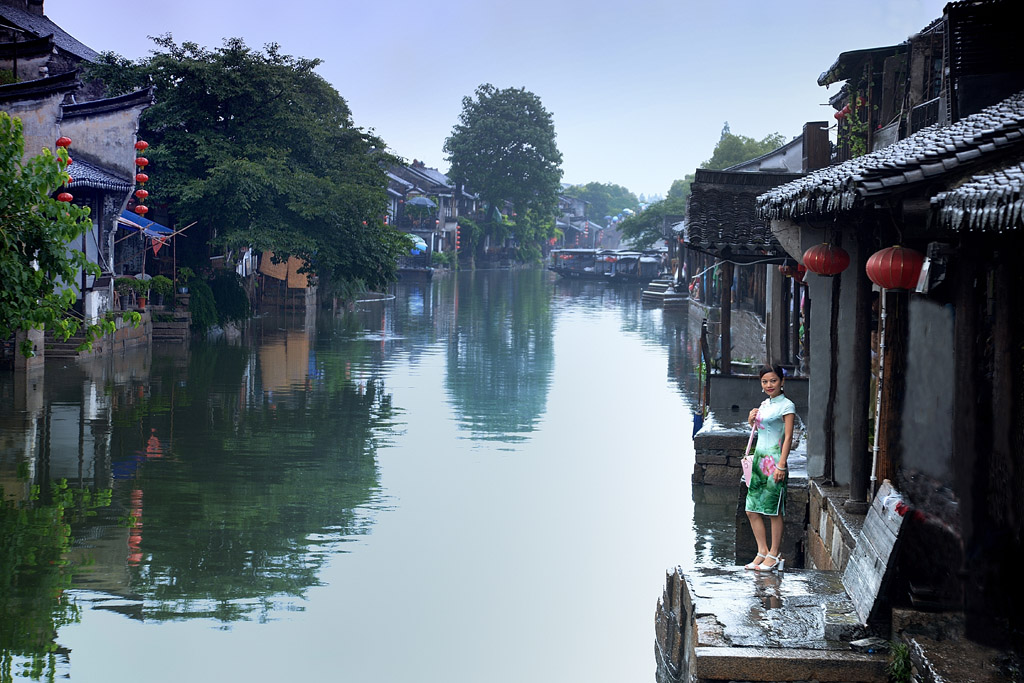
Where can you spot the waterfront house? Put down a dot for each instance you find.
(946, 381)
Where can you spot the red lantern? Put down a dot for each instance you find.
(142, 161)
(141, 209)
(63, 141)
(141, 145)
(65, 197)
(141, 194)
(70, 180)
(895, 268)
(825, 259)
(141, 178)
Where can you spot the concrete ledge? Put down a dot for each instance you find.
(787, 664)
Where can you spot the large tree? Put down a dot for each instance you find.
(259, 150)
(646, 228)
(504, 149)
(604, 199)
(39, 270)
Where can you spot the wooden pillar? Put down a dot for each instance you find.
(787, 320)
(726, 304)
(794, 319)
(860, 457)
(807, 328)
(833, 379)
(894, 362)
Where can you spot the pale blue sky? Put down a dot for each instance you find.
(639, 90)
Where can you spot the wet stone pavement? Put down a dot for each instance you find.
(731, 624)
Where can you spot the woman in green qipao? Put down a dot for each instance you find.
(766, 494)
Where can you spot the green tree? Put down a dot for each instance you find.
(645, 228)
(259, 150)
(735, 149)
(35, 230)
(605, 199)
(504, 148)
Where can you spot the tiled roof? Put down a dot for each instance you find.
(41, 26)
(86, 175)
(923, 157)
(721, 217)
(993, 202)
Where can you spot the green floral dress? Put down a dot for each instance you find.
(765, 495)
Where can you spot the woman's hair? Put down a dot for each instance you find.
(777, 369)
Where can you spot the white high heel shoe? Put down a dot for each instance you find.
(777, 565)
(752, 565)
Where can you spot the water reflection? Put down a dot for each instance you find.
(302, 488)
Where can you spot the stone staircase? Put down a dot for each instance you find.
(55, 348)
(661, 293)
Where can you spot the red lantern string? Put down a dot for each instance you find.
(65, 197)
(64, 141)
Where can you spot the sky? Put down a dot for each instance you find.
(638, 90)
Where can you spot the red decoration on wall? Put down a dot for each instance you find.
(63, 141)
(141, 194)
(895, 268)
(141, 178)
(141, 145)
(65, 197)
(825, 259)
(141, 161)
(141, 209)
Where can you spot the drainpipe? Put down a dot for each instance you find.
(878, 392)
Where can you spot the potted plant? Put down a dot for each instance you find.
(162, 287)
(183, 277)
(124, 286)
(141, 292)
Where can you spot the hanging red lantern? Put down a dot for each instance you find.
(895, 268)
(825, 259)
(801, 270)
(65, 197)
(142, 161)
(141, 178)
(141, 209)
(63, 141)
(141, 145)
(141, 194)
(787, 271)
(69, 180)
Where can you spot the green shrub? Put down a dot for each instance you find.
(229, 296)
(162, 285)
(202, 306)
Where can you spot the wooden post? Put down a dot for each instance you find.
(860, 458)
(895, 363)
(726, 305)
(833, 379)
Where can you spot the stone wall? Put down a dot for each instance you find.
(831, 531)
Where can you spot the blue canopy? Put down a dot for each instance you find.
(148, 227)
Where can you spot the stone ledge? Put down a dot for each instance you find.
(787, 664)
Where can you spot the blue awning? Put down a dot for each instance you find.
(150, 228)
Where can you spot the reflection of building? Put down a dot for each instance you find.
(284, 363)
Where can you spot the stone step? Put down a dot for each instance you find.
(787, 664)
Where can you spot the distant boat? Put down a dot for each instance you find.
(608, 265)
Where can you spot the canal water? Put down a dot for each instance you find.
(481, 478)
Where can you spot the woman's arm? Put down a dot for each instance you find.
(787, 442)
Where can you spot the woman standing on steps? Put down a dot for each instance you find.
(766, 494)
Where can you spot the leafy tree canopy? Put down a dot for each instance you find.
(504, 148)
(260, 150)
(605, 199)
(646, 228)
(734, 149)
(39, 270)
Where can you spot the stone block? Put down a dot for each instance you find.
(818, 557)
(721, 475)
(711, 457)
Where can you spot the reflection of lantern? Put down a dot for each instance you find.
(65, 197)
(141, 194)
(141, 209)
(895, 268)
(141, 178)
(825, 259)
(141, 145)
(63, 141)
